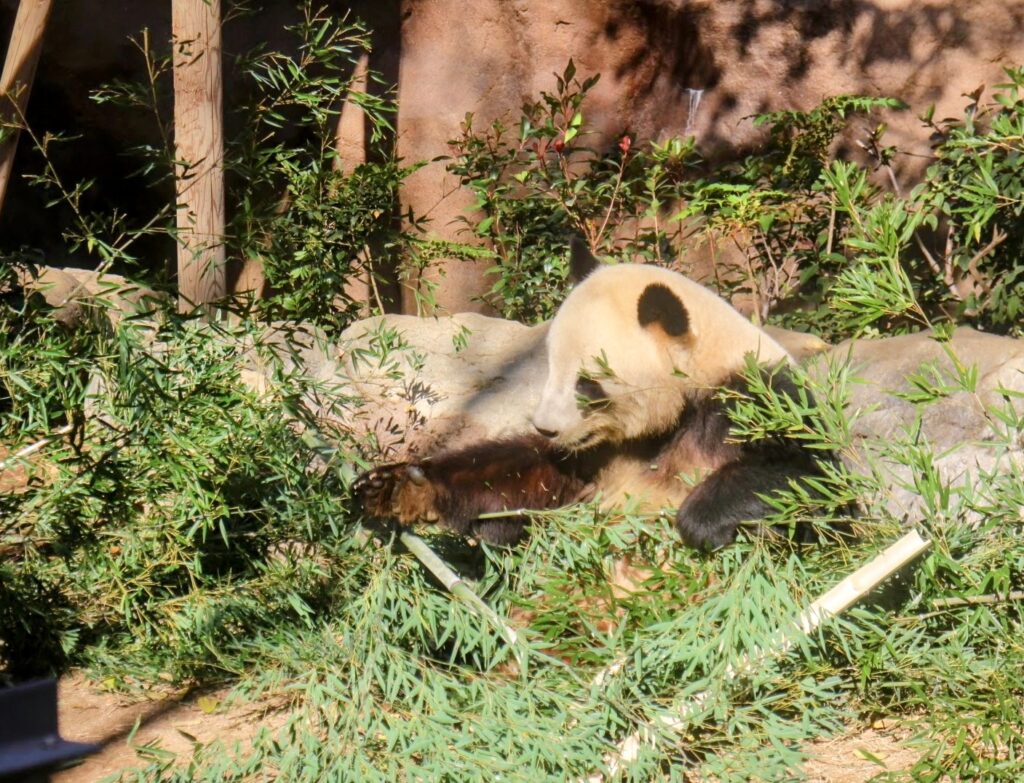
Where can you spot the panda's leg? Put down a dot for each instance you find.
(712, 513)
(456, 487)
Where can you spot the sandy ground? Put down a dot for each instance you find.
(88, 714)
(175, 719)
(860, 755)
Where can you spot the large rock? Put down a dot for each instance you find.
(78, 294)
(947, 397)
(432, 383)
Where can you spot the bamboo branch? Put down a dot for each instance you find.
(843, 595)
(40, 444)
(978, 600)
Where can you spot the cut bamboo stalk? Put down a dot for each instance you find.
(40, 444)
(454, 584)
(16, 82)
(199, 152)
(839, 598)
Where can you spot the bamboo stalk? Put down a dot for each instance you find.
(839, 598)
(19, 71)
(978, 600)
(40, 444)
(454, 584)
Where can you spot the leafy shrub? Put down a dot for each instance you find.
(311, 222)
(808, 230)
(537, 186)
(182, 517)
(973, 196)
(649, 201)
(313, 225)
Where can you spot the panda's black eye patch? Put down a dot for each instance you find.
(590, 391)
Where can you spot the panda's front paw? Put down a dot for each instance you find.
(374, 489)
(704, 532)
(398, 490)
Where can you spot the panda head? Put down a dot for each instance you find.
(627, 349)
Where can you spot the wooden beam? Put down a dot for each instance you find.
(23, 52)
(199, 151)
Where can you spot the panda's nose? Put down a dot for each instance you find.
(549, 434)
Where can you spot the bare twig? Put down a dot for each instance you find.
(947, 259)
(928, 257)
(831, 224)
(611, 203)
(978, 600)
(998, 237)
(892, 178)
(373, 279)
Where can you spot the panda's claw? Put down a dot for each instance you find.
(375, 489)
(397, 490)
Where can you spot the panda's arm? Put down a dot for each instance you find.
(456, 487)
(731, 495)
(746, 472)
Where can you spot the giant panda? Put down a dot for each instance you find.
(632, 407)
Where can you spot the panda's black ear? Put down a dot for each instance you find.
(658, 305)
(581, 261)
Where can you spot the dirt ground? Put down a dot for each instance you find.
(860, 755)
(175, 719)
(88, 714)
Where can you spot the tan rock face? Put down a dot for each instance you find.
(75, 293)
(668, 67)
(424, 384)
(744, 56)
(907, 391)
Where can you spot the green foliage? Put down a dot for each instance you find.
(817, 242)
(951, 248)
(186, 530)
(649, 201)
(974, 196)
(182, 517)
(799, 143)
(537, 185)
(312, 220)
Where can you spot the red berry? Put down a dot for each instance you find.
(559, 146)
(624, 144)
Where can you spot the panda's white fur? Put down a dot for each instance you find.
(647, 372)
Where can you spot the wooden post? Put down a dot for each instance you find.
(199, 151)
(19, 69)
